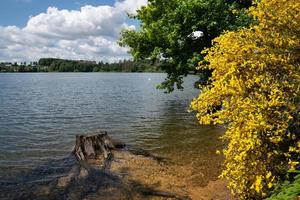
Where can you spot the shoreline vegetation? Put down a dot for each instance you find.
(63, 65)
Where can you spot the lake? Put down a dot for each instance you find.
(41, 113)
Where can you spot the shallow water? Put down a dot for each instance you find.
(40, 114)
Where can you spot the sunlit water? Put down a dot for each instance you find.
(40, 114)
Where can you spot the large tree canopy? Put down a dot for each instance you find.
(166, 28)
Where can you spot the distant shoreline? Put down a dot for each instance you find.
(62, 65)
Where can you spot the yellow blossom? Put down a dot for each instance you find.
(256, 80)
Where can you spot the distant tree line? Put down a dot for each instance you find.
(62, 65)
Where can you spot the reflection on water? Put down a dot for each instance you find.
(41, 113)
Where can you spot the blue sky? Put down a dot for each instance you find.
(69, 29)
(17, 12)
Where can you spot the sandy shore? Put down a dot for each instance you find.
(128, 177)
(168, 178)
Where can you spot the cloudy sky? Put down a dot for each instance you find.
(70, 29)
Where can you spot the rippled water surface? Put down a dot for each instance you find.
(40, 114)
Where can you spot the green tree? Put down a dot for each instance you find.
(22, 68)
(167, 27)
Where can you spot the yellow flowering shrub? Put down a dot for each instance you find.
(256, 82)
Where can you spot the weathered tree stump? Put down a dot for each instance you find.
(93, 146)
(100, 150)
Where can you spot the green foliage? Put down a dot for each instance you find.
(166, 27)
(287, 191)
(61, 65)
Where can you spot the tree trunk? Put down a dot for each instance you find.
(95, 146)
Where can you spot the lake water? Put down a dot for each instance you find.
(40, 114)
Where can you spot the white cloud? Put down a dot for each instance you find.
(90, 33)
(130, 6)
